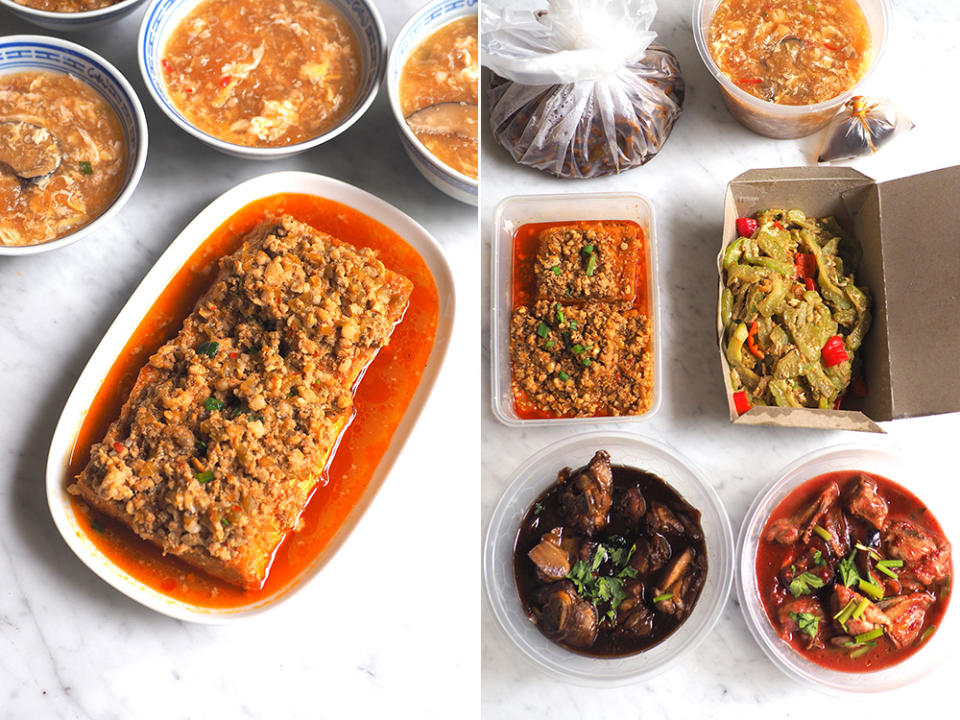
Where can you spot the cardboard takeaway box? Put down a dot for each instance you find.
(909, 230)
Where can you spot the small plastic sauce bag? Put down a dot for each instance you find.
(578, 89)
(863, 126)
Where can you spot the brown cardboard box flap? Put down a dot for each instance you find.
(920, 227)
(818, 191)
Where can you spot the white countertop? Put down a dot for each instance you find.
(382, 628)
(728, 675)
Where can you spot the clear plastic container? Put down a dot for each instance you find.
(841, 457)
(536, 475)
(785, 121)
(519, 210)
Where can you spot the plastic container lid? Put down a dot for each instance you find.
(525, 486)
(842, 457)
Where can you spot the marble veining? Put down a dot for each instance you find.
(727, 676)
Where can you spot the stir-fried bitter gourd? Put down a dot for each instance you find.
(788, 289)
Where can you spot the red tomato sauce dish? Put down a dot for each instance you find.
(375, 394)
(854, 571)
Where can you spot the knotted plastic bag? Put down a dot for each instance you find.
(579, 90)
(863, 126)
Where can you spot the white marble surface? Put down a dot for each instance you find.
(728, 676)
(374, 635)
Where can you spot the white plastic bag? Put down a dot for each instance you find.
(579, 90)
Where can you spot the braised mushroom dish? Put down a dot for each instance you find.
(610, 560)
(854, 571)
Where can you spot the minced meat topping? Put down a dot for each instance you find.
(588, 261)
(231, 423)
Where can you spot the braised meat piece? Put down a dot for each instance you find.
(871, 617)
(632, 506)
(681, 579)
(651, 554)
(634, 617)
(586, 498)
(863, 500)
(925, 556)
(661, 519)
(906, 613)
(795, 621)
(566, 617)
(835, 524)
(552, 555)
(788, 530)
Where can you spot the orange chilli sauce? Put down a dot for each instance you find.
(772, 557)
(381, 399)
(524, 284)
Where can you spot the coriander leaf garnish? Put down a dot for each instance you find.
(804, 584)
(807, 622)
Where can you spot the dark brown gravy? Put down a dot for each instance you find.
(545, 514)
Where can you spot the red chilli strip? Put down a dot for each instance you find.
(167, 65)
(806, 265)
(811, 285)
(777, 225)
(225, 80)
(749, 81)
(740, 402)
(118, 447)
(834, 351)
(746, 226)
(234, 355)
(831, 46)
(752, 341)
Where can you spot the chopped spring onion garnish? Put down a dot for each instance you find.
(563, 376)
(573, 324)
(550, 343)
(883, 567)
(556, 270)
(204, 477)
(587, 250)
(868, 635)
(864, 604)
(823, 533)
(928, 632)
(85, 167)
(537, 508)
(591, 264)
(224, 522)
(871, 589)
(560, 316)
(661, 598)
(212, 404)
(873, 553)
(586, 362)
(579, 349)
(543, 330)
(845, 613)
(208, 348)
(861, 651)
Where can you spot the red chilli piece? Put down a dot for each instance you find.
(225, 80)
(746, 227)
(234, 355)
(119, 447)
(838, 403)
(811, 285)
(167, 65)
(806, 264)
(777, 225)
(740, 402)
(834, 351)
(750, 81)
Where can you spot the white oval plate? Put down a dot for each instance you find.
(133, 312)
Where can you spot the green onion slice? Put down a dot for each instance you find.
(543, 330)
(212, 404)
(563, 376)
(591, 265)
(556, 270)
(868, 635)
(823, 533)
(661, 598)
(204, 477)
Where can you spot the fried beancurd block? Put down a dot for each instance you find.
(581, 360)
(588, 261)
(231, 423)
